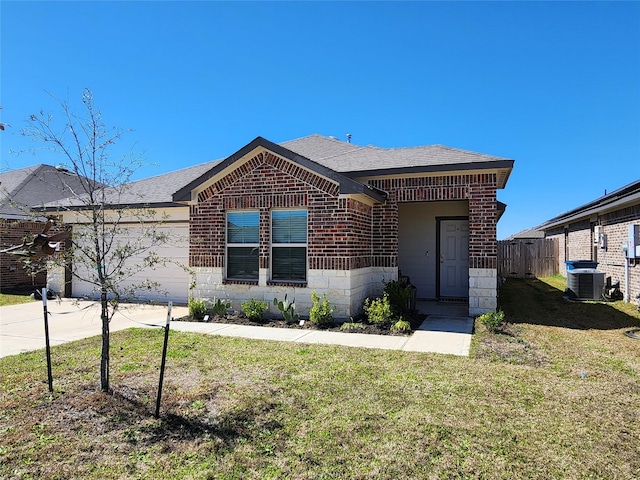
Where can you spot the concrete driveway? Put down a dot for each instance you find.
(446, 329)
(22, 326)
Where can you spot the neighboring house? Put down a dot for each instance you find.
(530, 234)
(320, 214)
(600, 231)
(19, 191)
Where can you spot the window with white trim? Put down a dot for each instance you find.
(289, 245)
(243, 242)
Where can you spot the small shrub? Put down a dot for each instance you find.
(288, 309)
(399, 295)
(254, 309)
(220, 307)
(197, 308)
(401, 326)
(321, 312)
(378, 310)
(351, 326)
(493, 321)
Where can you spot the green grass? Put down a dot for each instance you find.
(234, 408)
(9, 299)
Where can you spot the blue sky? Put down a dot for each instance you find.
(553, 85)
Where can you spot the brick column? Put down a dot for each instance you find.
(483, 246)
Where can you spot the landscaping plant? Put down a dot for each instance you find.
(254, 309)
(220, 308)
(401, 326)
(321, 312)
(288, 309)
(493, 321)
(352, 326)
(378, 310)
(399, 295)
(197, 308)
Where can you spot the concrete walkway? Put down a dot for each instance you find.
(446, 330)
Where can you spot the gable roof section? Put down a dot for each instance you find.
(358, 161)
(347, 185)
(627, 195)
(22, 189)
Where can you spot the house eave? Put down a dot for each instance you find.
(598, 207)
(500, 209)
(74, 208)
(502, 168)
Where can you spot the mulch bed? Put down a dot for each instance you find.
(240, 319)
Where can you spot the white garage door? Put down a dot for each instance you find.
(173, 279)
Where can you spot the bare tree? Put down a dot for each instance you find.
(115, 235)
(3, 125)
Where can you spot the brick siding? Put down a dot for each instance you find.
(345, 234)
(576, 243)
(339, 228)
(13, 275)
(478, 189)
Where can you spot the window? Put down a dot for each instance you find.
(289, 245)
(243, 240)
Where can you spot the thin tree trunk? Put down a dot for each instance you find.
(104, 357)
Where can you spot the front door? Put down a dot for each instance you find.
(454, 258)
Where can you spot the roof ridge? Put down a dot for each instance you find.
(358, 148)
(446, 147)
(318, 135)
(27, 179)
(329, 138)
(304, 136)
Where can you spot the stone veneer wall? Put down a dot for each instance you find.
(346, 290)
(483, 291)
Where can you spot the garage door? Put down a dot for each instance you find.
(174, 281)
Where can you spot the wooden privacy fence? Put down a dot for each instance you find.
(528, 258)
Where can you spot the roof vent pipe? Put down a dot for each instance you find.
(348, 138)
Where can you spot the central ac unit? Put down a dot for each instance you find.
(585, 283)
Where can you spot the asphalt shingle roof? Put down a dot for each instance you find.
(349, 158)
(156, 190)
(629, 194)
(34, 186)
(342, 157)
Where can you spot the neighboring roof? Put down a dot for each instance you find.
(629, 194)
(34, 186)
(157, 190)
(531, 233)
(347, 185)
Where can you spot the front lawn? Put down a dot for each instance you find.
(11, 299)
(549, 397)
